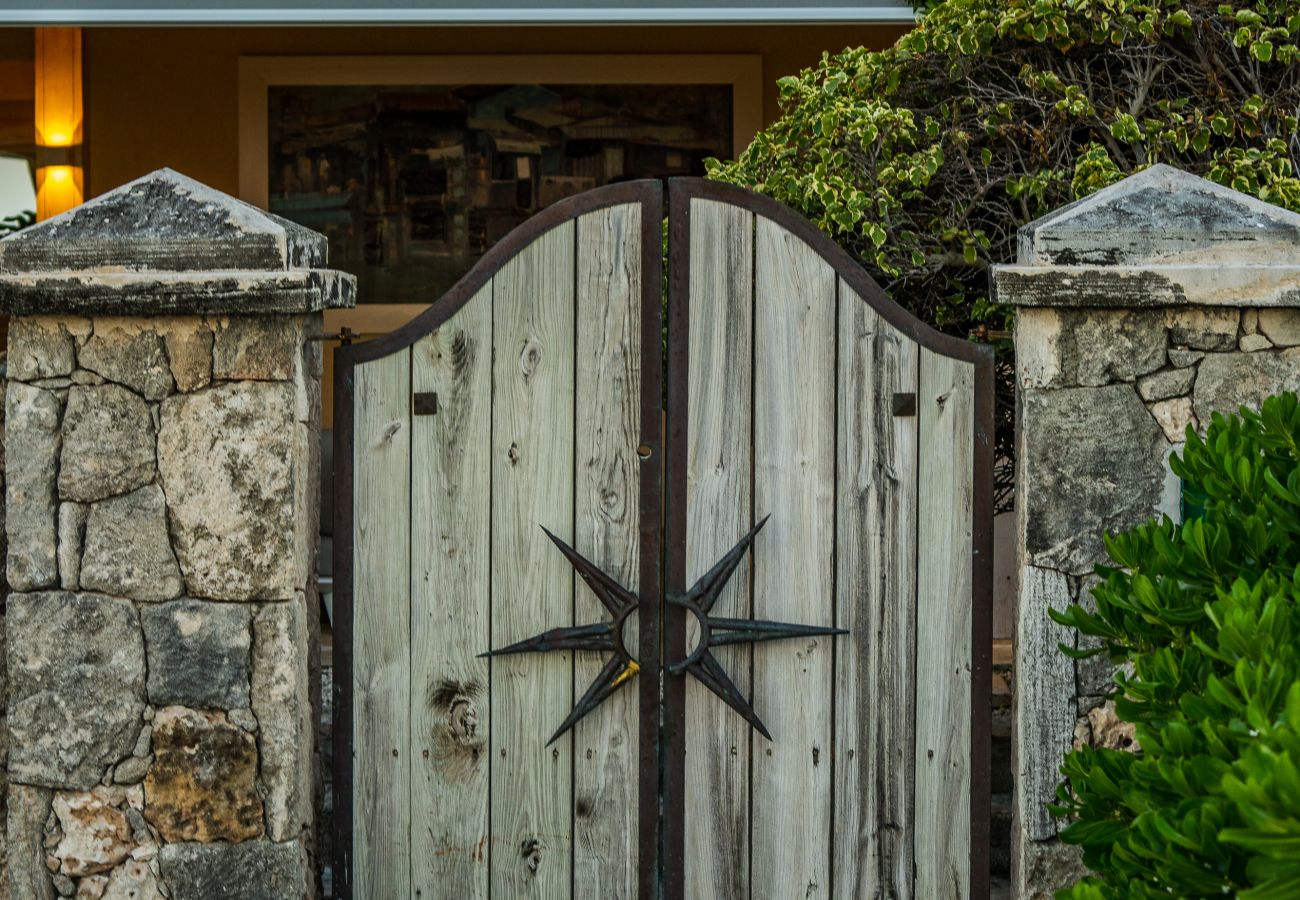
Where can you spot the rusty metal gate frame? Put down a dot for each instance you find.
(662, 510)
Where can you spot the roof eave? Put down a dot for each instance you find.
(468, 15)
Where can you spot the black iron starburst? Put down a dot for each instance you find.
(714, 631)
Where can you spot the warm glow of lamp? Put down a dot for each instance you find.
(59, 176)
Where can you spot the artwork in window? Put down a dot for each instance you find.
(413, 184)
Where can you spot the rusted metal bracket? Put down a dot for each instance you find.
(905, 404)
(424, 404)
(344, 336)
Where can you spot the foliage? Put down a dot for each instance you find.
(11, 224)
(924, 159)
(1206, 615)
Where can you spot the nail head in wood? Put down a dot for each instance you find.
(905, 404)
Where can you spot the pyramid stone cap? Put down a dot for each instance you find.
(167, 244)
(1166, 216)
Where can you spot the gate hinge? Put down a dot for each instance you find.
(425, 404)
(344, 336)
(905, 404)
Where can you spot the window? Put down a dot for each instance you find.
(414, 166)
(412, 184)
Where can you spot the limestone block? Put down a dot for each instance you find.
(1092, 460)
(76, 677)
(128, 351)
(188, 340)
(163, 221)
(32, 448)
(92, 887)
(1161, 214)
(58, 385)
(1228, 381)
(1281, 326)
(256, 870)
(244, 718)
(1096, 674)
(1174, 416)
(1102, 727)
(202, 784)
(1044, 698)
(1166, 384)
(128, 553)
(28, 808)
(198, 653)
(72, 535)
(108, 443)
(257, 348)
(281, 702)
(1181, 359)
(230, 465)
(40, 347)
(86, 379)
(95, 834)
(131, 770)
(1251, 343)
(4, 778)
(1044, 867)
(1204, 329)
(133, 880)
(1038, 357)
(1088, 348)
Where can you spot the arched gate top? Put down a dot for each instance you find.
(650, 193)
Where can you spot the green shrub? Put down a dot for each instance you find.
(925, 158)
(1205, 615)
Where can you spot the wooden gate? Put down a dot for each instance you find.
(803, 552)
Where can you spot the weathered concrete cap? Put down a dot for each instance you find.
(1162, 215)
(167, 244)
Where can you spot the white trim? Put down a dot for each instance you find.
(468, 15)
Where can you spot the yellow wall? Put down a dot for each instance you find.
(167, 96)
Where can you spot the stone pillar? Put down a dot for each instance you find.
(1142, 309)
(162, 429)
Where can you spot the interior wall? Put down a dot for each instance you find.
(168, 96)
(17, 91)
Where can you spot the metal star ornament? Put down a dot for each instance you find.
(715, 631)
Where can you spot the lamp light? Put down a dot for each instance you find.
(59, 115)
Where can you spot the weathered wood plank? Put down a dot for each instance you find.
(381, 628)
(606, 518)
(945, 406)
(532, 583)
(719, 466)
(794, 482)
(876, 601)
(450, 503)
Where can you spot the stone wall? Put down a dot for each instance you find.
(162, 520)
(4, 685)
(159, 620)
(1108, 381)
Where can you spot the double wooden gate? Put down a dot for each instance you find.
(534, 394)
